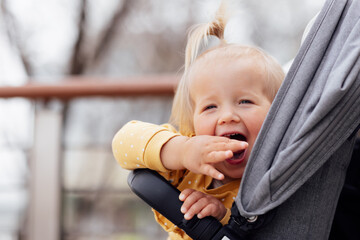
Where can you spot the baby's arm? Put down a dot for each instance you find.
(144, 145)
(199, 153)
(138, 144)
(202, 205)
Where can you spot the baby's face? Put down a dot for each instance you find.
(229, 100)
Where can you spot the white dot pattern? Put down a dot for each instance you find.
(130, 148)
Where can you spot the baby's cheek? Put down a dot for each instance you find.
(203, 126)
(257, 125)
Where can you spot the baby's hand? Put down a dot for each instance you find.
(201, 152)
(202, 204)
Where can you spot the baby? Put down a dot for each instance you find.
(219, 107)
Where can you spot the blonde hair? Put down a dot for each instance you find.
(183, 106)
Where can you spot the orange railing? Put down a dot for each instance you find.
(73, 87)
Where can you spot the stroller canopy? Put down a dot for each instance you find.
(314, 117)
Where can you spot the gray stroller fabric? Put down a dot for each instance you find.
(300, 157)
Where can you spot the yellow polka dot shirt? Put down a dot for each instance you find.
(138, 145)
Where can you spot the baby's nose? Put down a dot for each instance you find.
(229, 116)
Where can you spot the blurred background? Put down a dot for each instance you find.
(58, 178)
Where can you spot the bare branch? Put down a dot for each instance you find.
(14, 38)
(77, 64)
(111, 30)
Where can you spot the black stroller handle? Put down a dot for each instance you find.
(156, 191)
(164, 198)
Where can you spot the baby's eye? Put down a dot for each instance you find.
(209, 107)
(245, 101)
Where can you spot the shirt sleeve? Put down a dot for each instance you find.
(138, 144)
(226, 218)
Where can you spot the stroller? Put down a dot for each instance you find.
(297, 167)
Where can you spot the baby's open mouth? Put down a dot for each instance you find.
(239, 156)
(236, 136)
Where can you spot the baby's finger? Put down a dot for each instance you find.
(208, 210)
(211, 171)
(223, 143)
(190, 200)
(219, 156)
(235, 145)
(195, 208)
(185, 193)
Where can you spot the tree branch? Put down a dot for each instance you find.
(110, 32)
(14, 38)
(78, 62)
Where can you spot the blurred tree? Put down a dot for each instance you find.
(117, 38)
(134, 37)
